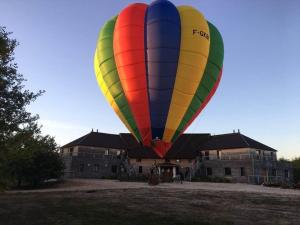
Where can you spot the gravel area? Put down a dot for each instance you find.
(95, 184)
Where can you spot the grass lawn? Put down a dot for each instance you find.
(147, 207)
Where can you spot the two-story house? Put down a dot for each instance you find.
(233, 156)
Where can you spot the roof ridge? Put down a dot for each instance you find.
(216, 135)
(77, 141)
(260, 143)
(84, 137)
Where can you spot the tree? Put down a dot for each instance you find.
(13, 97)
(25, 155)
(33, 160)
(296, 166)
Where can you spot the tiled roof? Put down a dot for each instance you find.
(97, 139)
(135, 149)
(185, 147)
(231, 141)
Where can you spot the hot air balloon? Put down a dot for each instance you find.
(158, 66)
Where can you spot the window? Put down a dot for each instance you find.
(274, 172)
(206, 155)
(218, 154)
(138, 160)
(81, 167)
(286, 173)
(113, 168)
(71, 150)
(227, 171)
(96, 167)
(106, 152)
(140, 169)
(242, 171)
(258, 152)
(208, 171)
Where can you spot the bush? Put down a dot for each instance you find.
(296, 167)
(113, 177)
(136, 178)
(211, 179)
(201, 179)
(34, 167)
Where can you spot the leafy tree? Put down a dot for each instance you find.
(282, 159)
(13, 97)
(25, 155)
(296, 166)
(33, 160)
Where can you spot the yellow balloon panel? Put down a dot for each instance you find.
(194, 51)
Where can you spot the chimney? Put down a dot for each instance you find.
(233, 131)
(92, 130)
(97, 130)
(239, 131)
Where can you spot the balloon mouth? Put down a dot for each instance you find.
(160, 147)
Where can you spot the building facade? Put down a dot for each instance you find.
(95, 155)
(233, 156)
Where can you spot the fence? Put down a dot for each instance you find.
(239, 157)
(257, 179)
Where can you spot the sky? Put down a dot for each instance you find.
(259, 92)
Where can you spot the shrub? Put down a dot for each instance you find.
(135, 178)
(211, 179)
(296, 167)
(33, 167)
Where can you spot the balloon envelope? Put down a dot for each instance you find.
(158, 66)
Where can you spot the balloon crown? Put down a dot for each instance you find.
(158, 66)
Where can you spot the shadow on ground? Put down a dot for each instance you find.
(146, 206)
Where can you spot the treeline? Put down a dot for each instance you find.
(296, 166)
(26, 156)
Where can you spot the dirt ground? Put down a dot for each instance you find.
(99, 184)
(113, 203)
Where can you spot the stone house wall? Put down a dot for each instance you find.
(89, 162)
(218, 169)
